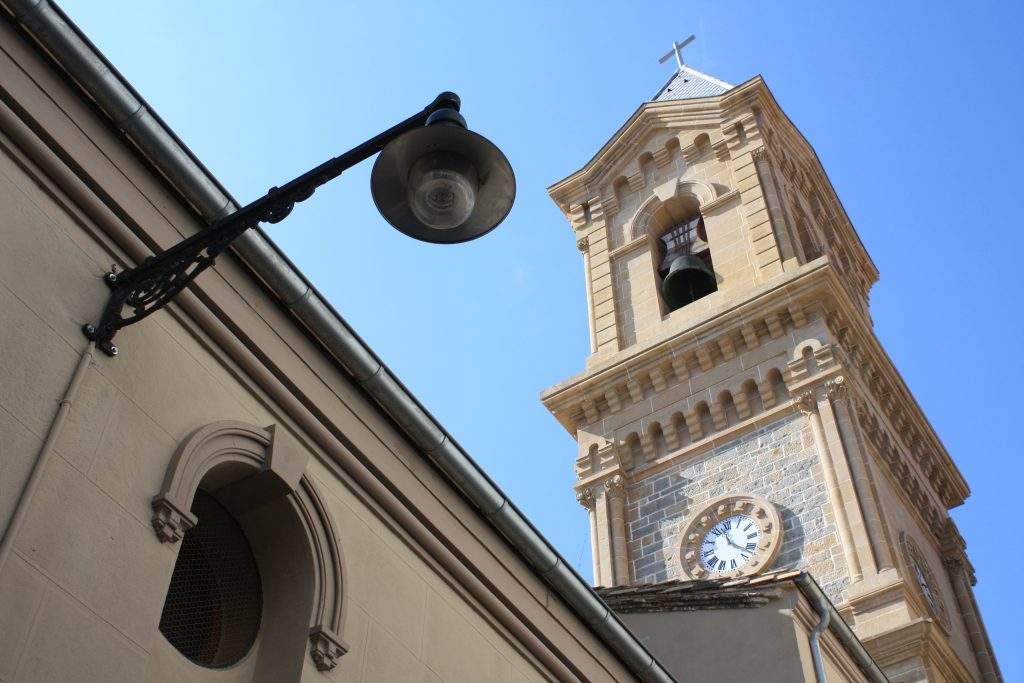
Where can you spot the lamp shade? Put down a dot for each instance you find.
(465, 169)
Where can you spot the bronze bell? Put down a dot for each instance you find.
(688, 279)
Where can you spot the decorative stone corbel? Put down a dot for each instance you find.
(836, 389)
(796, 312)
(750, 336)
(647, 444)
(721, 148)
(742, 404)
(325, 648)
(693, 425)
(611, 395)
(807, 403)
(718, 415)
(585, 498)
(169, 521)
(583, 244)
(657, 379)
(615, 486)
(679, 368)
(726, 346)
(636, 392)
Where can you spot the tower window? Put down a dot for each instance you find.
(684, 264)
(215, 600)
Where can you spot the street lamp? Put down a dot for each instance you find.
(434, 180)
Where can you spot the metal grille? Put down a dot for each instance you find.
(213, 607)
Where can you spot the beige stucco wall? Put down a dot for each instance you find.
(431, 591)
(81, 595)
(769, 643)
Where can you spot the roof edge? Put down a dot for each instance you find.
(65, 44)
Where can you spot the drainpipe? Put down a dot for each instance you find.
(829, 617)
(821, 606)
(47, 24)
(45, 454)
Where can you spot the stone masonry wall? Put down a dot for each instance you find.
(777, 462)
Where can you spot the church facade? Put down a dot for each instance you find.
(738, 419)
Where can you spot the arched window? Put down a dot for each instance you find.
(258, 578)
(215, 601)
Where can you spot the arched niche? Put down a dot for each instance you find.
(258, 474)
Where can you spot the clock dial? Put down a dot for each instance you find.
(735, 535)
(730, 544)
(922, 580)
(922, 575)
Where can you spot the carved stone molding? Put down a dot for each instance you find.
(616, 486)
(585, 498)
(169, 521)
(583, 244)
(807, 403)
(247, 468)
(836, 389)
(325, 648)
(273, 453)
(760, 153)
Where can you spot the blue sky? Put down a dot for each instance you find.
(913, 107)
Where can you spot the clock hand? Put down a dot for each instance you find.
(729, 541)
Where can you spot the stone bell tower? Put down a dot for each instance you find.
(737, 414)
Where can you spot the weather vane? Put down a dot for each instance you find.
(677, 50)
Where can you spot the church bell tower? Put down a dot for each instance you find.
(737, 414)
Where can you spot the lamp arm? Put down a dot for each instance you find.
(159, 278)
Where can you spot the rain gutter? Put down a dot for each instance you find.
(830, 618)
(48, 25)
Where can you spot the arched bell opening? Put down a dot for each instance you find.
(682, 255)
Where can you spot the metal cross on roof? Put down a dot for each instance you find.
(677, 50)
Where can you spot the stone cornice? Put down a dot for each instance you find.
(692, 450)
(921, 638)
(584, 399)
(767, 100)
(770, 308)
(704, 112)
(896, 408)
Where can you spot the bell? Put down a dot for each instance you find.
(688, 279)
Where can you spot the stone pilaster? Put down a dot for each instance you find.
(587, 499)
(816, 405)
(616, 494)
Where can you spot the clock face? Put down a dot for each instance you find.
(922, 580)
(730, 544)
(731, 536)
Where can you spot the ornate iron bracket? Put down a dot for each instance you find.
(153, 283)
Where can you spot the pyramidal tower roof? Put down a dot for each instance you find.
(687, 84)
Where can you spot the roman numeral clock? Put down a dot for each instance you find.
(731, 536)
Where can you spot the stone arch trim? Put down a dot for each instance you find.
(702, 191)
(254, 466)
